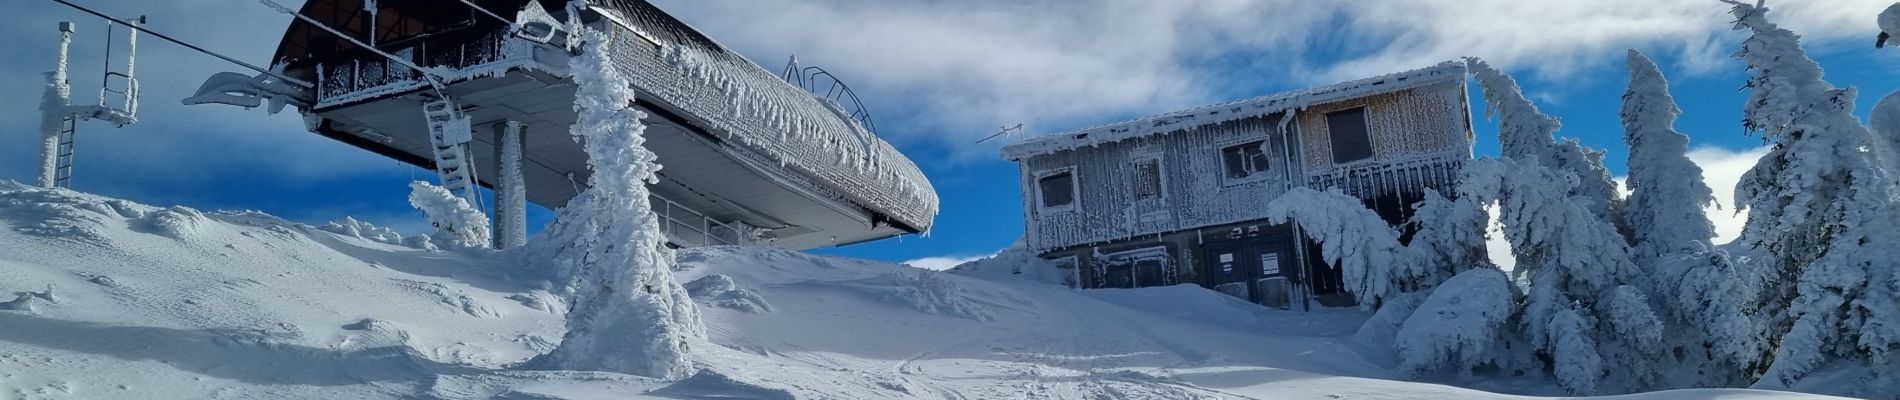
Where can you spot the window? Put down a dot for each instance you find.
(1351, 140)
(1152, 266)
(1148, 179)
(1245, 161)
(1057, 190)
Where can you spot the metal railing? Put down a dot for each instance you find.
(827, 86)
(1439, 172)
(685, 227)
(352, 77)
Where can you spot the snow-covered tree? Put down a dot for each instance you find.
(1450, 237)
(628, 313)
(1822, 211)
(1526, 133)
(1586, 306)
(1366, 249)
(1696, 284)
(451, 215)
(1458, 326)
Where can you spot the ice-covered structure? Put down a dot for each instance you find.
(749, 157)
(1181, 197)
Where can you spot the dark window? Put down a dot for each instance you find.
(1148, 179)
(1351, 140)
(1150, 272)
(1118, 276)
(1139, 268)
(1244, 160)
(1057, 190)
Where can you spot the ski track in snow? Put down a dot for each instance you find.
(175, 303)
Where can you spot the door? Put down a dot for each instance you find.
(1225, 271)
(1272, 283)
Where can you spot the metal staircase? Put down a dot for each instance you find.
(449, 134)
(63, 160)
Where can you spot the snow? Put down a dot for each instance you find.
(1576, 307)
(1459, 324)
(1696, 282)
(452, 216)
(629, 315)
(1526, 133)
(1351, 236)
(511, 194)
(1821, 207)
(252, 306)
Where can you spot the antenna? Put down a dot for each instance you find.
(1005, 131)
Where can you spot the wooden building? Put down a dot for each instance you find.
(1177, 198)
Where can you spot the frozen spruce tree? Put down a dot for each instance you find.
(453, 218)
(1365, 248)
(1821, 211)
(1526, 133)
(628, 314)
(1586, 308)
(1697, 288)
(1450, 237)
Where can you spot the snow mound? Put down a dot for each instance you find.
(720, 291)
(1017, 264)
(178, 303)
(1458, 324)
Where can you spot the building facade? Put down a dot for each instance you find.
(1178, 198)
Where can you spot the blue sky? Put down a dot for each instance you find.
(939, 75)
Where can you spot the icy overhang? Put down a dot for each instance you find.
(1160, 124)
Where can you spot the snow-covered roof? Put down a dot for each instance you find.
(1233, 110)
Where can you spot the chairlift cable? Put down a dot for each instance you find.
(273, 74)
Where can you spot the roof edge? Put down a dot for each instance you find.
(1233, 110)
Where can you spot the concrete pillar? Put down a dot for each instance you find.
(511, 189)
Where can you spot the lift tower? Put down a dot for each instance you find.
(60, 119)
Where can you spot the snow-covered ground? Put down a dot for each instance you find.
(149, 302)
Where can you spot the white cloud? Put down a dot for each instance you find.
(968, 67)
(1722, 169)
(941, 263)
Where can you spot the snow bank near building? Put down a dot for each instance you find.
(245, 305)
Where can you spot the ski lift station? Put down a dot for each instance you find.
(478, 91)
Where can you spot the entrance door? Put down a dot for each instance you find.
(1272, 278)
(1228, 274)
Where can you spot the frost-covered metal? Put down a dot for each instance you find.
(59, 123)
(1418, 122)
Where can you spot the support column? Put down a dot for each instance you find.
(511, 189)
(53, 106)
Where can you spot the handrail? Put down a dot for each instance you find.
(837, 91)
